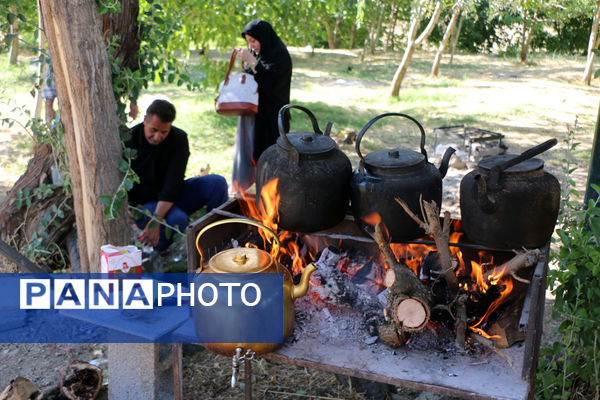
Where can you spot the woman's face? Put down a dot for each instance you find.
(253, 44)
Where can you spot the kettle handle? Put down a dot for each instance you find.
(282, 131)
(371, 122)
(232, 221)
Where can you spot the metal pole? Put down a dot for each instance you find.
(247, 379)
(594, 171)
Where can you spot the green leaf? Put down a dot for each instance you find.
(105, 200)
(22, 17)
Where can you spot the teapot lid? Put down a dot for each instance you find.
(308, 142)
(240, 260)
(399, 160)
(529, 165)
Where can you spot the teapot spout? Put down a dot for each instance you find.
(301, 288)
(445, 161)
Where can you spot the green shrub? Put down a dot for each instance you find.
(570, 369)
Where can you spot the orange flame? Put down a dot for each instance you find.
(267, 212)
(504, 295)
(372, 219)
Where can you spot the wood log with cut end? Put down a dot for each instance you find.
(81, 381)
(410, 313)
(391, 335)
(19, 389)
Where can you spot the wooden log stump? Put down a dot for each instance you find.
(81, 381)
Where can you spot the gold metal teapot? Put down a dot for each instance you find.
(250, 261)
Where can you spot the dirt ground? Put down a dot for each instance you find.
(499, 85)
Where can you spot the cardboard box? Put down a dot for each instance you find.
(115, 259)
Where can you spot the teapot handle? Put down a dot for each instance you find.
(282, 131)
(371, 122)
(232, 221)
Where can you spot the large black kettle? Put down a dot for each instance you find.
(386, 174)
(509, 201)
(313, 175)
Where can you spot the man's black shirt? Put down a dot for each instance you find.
(161, 167)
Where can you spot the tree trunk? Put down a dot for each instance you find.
(435, 68)
(390, 38)
(336, 31)
(13, 55)
(123, 27)
(412, 45)
(88, 112)
(353, 36)
(592, 44)
(527, 35)
(37, 111)
(376, 28)
(455, 37)
(330, 41)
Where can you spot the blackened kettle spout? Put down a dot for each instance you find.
(445, 161)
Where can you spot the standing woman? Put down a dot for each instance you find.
(270, 63)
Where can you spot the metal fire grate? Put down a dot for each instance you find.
(485, 376)
(476, 142)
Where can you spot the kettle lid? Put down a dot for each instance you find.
(399, 160)
(308, 142)
(240, 260)
(529, 165)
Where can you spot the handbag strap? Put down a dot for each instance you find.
(231, 62)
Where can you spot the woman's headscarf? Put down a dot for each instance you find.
(271, 46)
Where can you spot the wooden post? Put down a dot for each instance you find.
(594, 172)
(88, 112)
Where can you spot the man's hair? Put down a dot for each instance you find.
(164, 110)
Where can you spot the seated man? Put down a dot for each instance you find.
(162, 155)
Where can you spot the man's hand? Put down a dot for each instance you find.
(133, 111)
(151, 233)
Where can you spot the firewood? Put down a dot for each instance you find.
(505, 331)
(441, 235)
(391, 336)
(460, 325)
(490, 345)
(410, 313)
(408, 299)
(522, 259)
(81, 381)
(19, 389)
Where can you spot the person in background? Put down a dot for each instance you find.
(161, 161)
(269, 61)
(49, 94)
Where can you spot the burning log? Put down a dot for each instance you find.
(505, 332)
(408, 299)
(523, 259)
(441, 235)
(81, 381)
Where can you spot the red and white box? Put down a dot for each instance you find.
(117, 259)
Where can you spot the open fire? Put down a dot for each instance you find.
(487, 278)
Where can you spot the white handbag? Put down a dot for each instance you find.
(238, 93)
